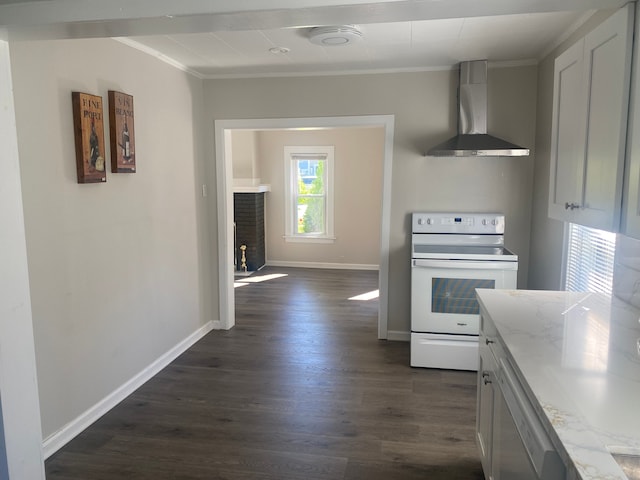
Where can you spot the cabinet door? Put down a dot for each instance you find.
(607, 72)
(631, 199)
(484, 413)
(511, 460)
(567, 134)
(591, 95)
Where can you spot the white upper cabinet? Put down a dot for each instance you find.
(631, 199)
(568, 134)
(590, 105)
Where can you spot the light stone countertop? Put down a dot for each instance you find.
(577, 356)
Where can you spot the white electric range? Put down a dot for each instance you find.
(452, 254)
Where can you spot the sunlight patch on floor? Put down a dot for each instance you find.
(241, 282)
(367, 296)
(264, 278)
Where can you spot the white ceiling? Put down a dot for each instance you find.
(217, 39)
(384, 46)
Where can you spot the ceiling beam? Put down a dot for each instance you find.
(56, 19)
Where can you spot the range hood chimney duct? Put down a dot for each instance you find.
(472, 139)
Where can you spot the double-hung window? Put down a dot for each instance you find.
(309, 194)
(589, 268)
(590, 255)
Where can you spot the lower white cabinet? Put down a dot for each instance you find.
(485, 404)
(511, 440)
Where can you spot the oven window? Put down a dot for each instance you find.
(457, 295)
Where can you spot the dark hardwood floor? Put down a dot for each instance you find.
(300, 388)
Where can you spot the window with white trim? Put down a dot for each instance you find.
(590, 255)
(309, 194)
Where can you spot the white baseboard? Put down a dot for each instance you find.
(338, 266)
(57, 440)
(398, 336)
(216, 325)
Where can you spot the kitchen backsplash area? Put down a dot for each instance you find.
(626, 273)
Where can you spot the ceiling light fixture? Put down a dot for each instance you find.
(279, 50)
(335, 36)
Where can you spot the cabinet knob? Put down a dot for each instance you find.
(486, 381)
(571, 206)
(487, 341)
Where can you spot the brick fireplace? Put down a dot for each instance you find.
(248, 215)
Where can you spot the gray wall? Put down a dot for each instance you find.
(245, 158)
(425, 114)
(118, 271)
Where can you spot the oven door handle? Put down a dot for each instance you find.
(464, 264)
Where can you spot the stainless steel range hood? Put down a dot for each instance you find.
(472, 139)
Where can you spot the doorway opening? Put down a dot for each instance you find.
(224, 174)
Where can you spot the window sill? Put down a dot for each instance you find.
(309, 239)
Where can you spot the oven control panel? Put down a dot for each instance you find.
(469, 223)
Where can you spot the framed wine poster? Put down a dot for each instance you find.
(88, 126)
(121, 128)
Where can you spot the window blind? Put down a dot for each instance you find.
(590, 255)
(309, 156)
